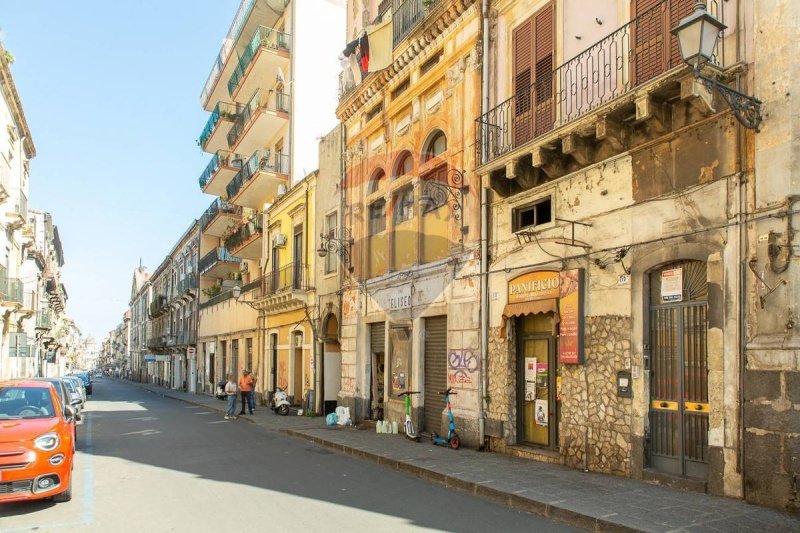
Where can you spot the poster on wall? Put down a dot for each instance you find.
(540, 409)
(570, 310)
(672, 285)
(530, 379)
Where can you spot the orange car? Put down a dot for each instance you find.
(37, 442)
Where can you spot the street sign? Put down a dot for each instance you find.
(191, 351)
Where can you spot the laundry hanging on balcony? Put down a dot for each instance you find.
(372, 50)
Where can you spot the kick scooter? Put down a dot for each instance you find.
(409, 427)
(452, 439)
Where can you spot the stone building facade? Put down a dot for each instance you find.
(627, 178)
(410, 306)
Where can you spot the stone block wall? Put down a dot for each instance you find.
(598, 415)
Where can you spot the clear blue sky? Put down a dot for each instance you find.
(111, 93)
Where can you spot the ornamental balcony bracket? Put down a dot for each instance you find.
(435, 194)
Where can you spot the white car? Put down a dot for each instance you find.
(78, 386)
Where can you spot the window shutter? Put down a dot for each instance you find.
(12, 345)
(678, 9)
(523, 55)
(544, 52)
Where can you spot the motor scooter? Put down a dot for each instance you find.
(219, 392)
(280, 402)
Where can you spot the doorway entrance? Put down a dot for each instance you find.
(679, 406)
(273, 362)
(297, 343)
(378, 372)
(538, 381)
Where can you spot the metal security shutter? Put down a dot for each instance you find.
(377, 337)
(435, 372)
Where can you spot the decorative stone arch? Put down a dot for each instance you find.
(377, 180)
(718, 369)
(329, 331)
(432, 147)
(403, 164)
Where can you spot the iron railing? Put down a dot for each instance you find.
(158, 305)
(264, 37)
(44, 320)
(218, 206)
(217, 255)
(244, 234)
(227, 46)
(261, 101)
(186, 284)
(222, 111)
(222, 158)
(408, 15)
(634, 54)
(294, 276)
(10, 288)
(261, 161)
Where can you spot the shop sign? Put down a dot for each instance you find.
(567, 287)
(540, 285)
(400, 298)
(672, 285)
(149, 358)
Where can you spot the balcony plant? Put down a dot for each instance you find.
(212, 291)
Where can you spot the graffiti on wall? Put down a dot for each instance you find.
(462, 365)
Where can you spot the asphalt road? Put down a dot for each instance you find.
(148, 463)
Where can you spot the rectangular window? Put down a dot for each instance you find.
(400, 89)
(430, 63)
(403, 205)
(377, 217)
(372, 113)
(532, 215)
(330, 230)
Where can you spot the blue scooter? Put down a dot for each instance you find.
(452, 439)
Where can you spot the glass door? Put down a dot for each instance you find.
(537, 382)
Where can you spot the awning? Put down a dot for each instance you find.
(531, 308)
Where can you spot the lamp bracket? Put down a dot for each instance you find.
(746, 109)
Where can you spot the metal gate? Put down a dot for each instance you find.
(435, 372)
(679, 407)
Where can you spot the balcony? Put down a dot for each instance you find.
(258, 180)
(219, 172)
(10, 290)
(218, 263)
(219, 217)
(214, 136)
(186, 288)
(18, 216)
(596, 97)
(408, 15)
(44, 320)
(286, 288)
(246, 241)
(158, 306)
(260, 120)
(265, 54)
(250, 15)
(160, 341)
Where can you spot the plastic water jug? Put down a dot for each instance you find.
(394, 427)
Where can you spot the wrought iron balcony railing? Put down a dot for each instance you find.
(222, 111)
(188, 283)
(222, 158)
(44, 320)
(634, 54)
(244, 234)
(158, 305)
(217, 255)
(407, 15)
(10, 288)
(294, 276)
(218, 206)
(264, 37)
(261, 161)
(261, 101)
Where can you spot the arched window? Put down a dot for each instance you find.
(377, 182)
(436, 146)
(403, 166)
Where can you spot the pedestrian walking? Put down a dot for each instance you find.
(246, 386)
(230, 390)
(253, 393)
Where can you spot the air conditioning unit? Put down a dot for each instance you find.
(279, 240)
(281, 190)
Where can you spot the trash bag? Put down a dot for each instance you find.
(343, 416)
(331, 419)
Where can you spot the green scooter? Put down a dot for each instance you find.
(411, 433)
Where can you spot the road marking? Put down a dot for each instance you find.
(205, 413)
(219, 422)
(144, 418)
(143, 432)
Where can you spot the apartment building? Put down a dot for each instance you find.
(638, 224)
(410, 306)
(139, 304)
(263, 83)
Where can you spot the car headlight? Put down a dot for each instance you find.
(47, 442)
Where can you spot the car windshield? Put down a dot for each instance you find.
(25, 402)
(71, 386)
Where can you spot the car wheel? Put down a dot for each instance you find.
(66, 495)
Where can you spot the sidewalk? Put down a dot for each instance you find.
(592, 501)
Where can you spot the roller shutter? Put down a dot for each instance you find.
(377, 337)
(435, 372)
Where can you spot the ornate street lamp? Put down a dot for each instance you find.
(698, 35)
(342, 246)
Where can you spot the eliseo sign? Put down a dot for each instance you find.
(566, 287)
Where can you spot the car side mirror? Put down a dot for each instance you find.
(75, 401)
(69, 411)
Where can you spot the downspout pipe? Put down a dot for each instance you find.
(484, 294)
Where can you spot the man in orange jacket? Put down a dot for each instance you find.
(246, 387)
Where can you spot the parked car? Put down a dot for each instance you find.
(87, 381)
(79, 385)
(76, 401)
(37, 442)
(63, 391)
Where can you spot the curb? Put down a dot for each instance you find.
(514, 501)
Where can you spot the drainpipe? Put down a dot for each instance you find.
(484, 233)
